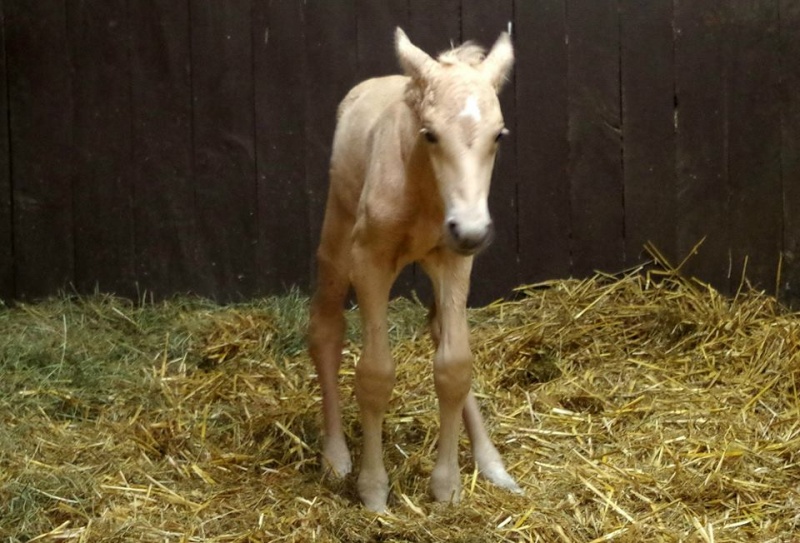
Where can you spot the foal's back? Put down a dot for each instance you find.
(372, 121)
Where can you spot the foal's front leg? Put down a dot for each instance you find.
(488, 460)
(452, 364)
(375, 373)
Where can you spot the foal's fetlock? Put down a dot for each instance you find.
(373, 489)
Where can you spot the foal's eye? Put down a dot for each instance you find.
(430, 137)
(500, 135)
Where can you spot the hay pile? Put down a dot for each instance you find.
(641, 408)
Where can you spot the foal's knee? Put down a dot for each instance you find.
(453, 374)
(374, 385)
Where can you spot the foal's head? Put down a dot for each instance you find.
(461, 125)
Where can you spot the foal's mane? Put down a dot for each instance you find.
(469, 53)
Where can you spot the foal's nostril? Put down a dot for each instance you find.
(452, 225)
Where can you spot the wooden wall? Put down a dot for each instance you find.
(170, 146)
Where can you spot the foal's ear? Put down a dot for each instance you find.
(498, 62)
(416, 63)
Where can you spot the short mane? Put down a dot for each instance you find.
(468, 53)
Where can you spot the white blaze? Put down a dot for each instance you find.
(471, 109)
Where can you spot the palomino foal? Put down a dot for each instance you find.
(409, 179)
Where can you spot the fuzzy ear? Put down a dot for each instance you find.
(416, 63)
(498, 62)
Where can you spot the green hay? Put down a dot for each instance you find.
(641, 408)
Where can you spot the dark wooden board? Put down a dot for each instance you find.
(224, 144)
(281, 81)
(331, 47)
(648, 113)
(496, 270)
(103, 195)
(183, 146)
(542, 144)
(790, 148)
(7, 290)
(702, 207)
(595, 137)
(754, 135)
(483, 21)
(434, 25)
(40, 102)
(376, 21)
(169, 253)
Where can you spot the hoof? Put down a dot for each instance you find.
(374, 492)
(336, 458)
(446, 486)
(496, 473)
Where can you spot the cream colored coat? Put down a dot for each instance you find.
(410, 173)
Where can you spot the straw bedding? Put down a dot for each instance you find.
(638, 408)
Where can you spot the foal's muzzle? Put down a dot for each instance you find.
(468, 239)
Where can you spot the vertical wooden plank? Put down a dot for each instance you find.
(224, 143)
(102, 199)
(497, 269)
(40, 102)
(790, 147)
(483, 21)
(648, 108)
(284, 253)
(331, 45)
(595, 137)
(376, 21)
(168, 253)
(754, 134)
(702, 153)
(6, 223)
(434, 25)
(542, 145)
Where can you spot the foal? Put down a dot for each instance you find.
(409, 179)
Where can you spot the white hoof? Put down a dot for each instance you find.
(497, 474)
(446, 485)
(374, 491)
(336, 457)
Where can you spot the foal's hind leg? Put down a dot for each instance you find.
(489, 462)
(326, 332)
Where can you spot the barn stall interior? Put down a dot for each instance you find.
(156, 148)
